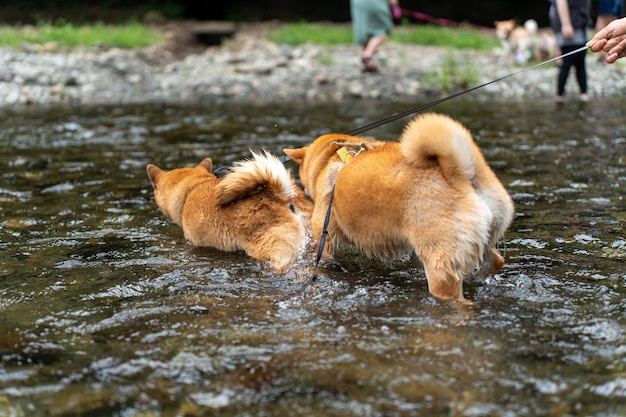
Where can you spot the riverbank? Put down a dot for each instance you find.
(250, 68)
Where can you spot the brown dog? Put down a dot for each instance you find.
(518, 42)
(257, 207)
(528, 42)
(432, 193)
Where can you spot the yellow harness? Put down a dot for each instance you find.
(346, 154)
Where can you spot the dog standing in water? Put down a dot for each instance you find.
(256, 207)
(433, 193)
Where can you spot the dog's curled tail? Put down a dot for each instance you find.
(437, 140)
(251, 176)
(531, 26)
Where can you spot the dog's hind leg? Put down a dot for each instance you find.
(443, 284)
(492, 263)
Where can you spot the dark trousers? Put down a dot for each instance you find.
(577, 61)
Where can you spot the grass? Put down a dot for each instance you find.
(66, 35)
(137, 35)
(435, 35)
(456, 72)
(316, 33)
(336, 34)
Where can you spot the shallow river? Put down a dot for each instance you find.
(105, 310)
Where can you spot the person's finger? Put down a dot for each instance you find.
(604, 33)
(608, 45)
(611, 58)
(596, 45)
(618, 47)
(612, 43)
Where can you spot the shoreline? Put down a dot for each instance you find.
(249, 68)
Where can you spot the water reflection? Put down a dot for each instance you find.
(106, 310)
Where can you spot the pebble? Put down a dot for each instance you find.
(251, 68)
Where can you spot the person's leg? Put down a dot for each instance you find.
(369, 50)
(372, 45)
(566, 65)
(581, 75)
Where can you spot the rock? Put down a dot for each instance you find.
(249, 67)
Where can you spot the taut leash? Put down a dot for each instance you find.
(417, 109)
(441, 20)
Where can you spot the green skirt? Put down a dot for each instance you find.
(370, 18)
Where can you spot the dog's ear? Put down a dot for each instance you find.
(296, 154)
(153, 173)
(206, 164)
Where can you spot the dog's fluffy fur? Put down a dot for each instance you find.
(432, 193)
(257, 207)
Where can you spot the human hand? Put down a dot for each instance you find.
(396, 11)
(615, 48)
(567, 31)
(611, 39)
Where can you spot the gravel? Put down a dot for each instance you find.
(250, 68)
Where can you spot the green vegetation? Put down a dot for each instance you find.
(435, 35)
(326, 59)
(135, 35)
(320, 34)
(66, 35)
(455, 73)
(335, 34)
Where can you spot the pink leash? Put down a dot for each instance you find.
(428, 18)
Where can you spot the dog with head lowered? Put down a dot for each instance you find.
(256, 207)
(432, 193)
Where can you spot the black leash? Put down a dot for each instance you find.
(418, 109)
(320, 248)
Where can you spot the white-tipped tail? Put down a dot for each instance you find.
(262, 170)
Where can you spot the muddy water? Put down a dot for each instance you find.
(105, 310)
